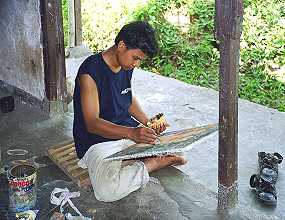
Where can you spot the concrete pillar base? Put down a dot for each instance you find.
(227, 196)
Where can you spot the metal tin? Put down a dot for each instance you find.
(22, 187)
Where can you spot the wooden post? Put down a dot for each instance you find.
(75, 25)
(53, 51)
(228, 31)
(78, 24)
(71, 20)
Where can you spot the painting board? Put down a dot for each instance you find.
(168, 143)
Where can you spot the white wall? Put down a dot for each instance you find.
(21, 52)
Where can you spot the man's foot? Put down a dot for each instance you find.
(156, 163)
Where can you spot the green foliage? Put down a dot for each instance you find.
(187, 50)
(102, 19)
(188, 56)
(65, 21)
(192, 57)
(263, 53)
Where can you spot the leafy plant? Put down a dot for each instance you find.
(192, 57)
(64, 4)
(188, 51)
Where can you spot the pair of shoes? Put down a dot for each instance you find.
(264, 182)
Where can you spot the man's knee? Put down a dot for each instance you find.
(109, 192)
(114, 182)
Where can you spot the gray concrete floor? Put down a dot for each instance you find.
(186, 192)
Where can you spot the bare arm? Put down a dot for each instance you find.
(99, 126)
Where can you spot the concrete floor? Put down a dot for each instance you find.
(188, 192)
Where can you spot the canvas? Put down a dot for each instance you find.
(168, 143)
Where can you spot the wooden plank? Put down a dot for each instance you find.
(72, 168)
(65, 157)
(64, 170)
(229, 20)
(83, 177)
(70, 162)
(79, 172)
(71, 19)
(64, 152)
(78, 23)
(58, 149)
(68, 157)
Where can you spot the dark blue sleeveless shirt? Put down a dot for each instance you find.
(115, 97)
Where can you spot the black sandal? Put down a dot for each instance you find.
(268, 164)
(265, 190)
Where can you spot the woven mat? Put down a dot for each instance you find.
(64, 156)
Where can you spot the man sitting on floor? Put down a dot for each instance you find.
(106, 115)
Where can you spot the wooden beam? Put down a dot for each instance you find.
(228, 31)
(71, 19)
(75, 25)
(53, 50)
(78, 23)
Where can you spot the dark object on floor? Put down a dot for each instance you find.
(265, 190)
(7, 104)
(264, 182)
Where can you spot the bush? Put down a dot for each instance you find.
(192, 57)
(188, 56)
(263, 53)
(187, 50)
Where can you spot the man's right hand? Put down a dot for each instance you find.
(142, 135)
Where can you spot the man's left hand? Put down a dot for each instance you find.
(160, 128)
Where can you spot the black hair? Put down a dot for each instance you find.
(139, 35)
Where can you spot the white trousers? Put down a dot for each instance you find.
(113, 180)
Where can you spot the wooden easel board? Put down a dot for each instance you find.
(168, 143)
(65, 157)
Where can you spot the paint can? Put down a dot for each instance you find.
(22, 187)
